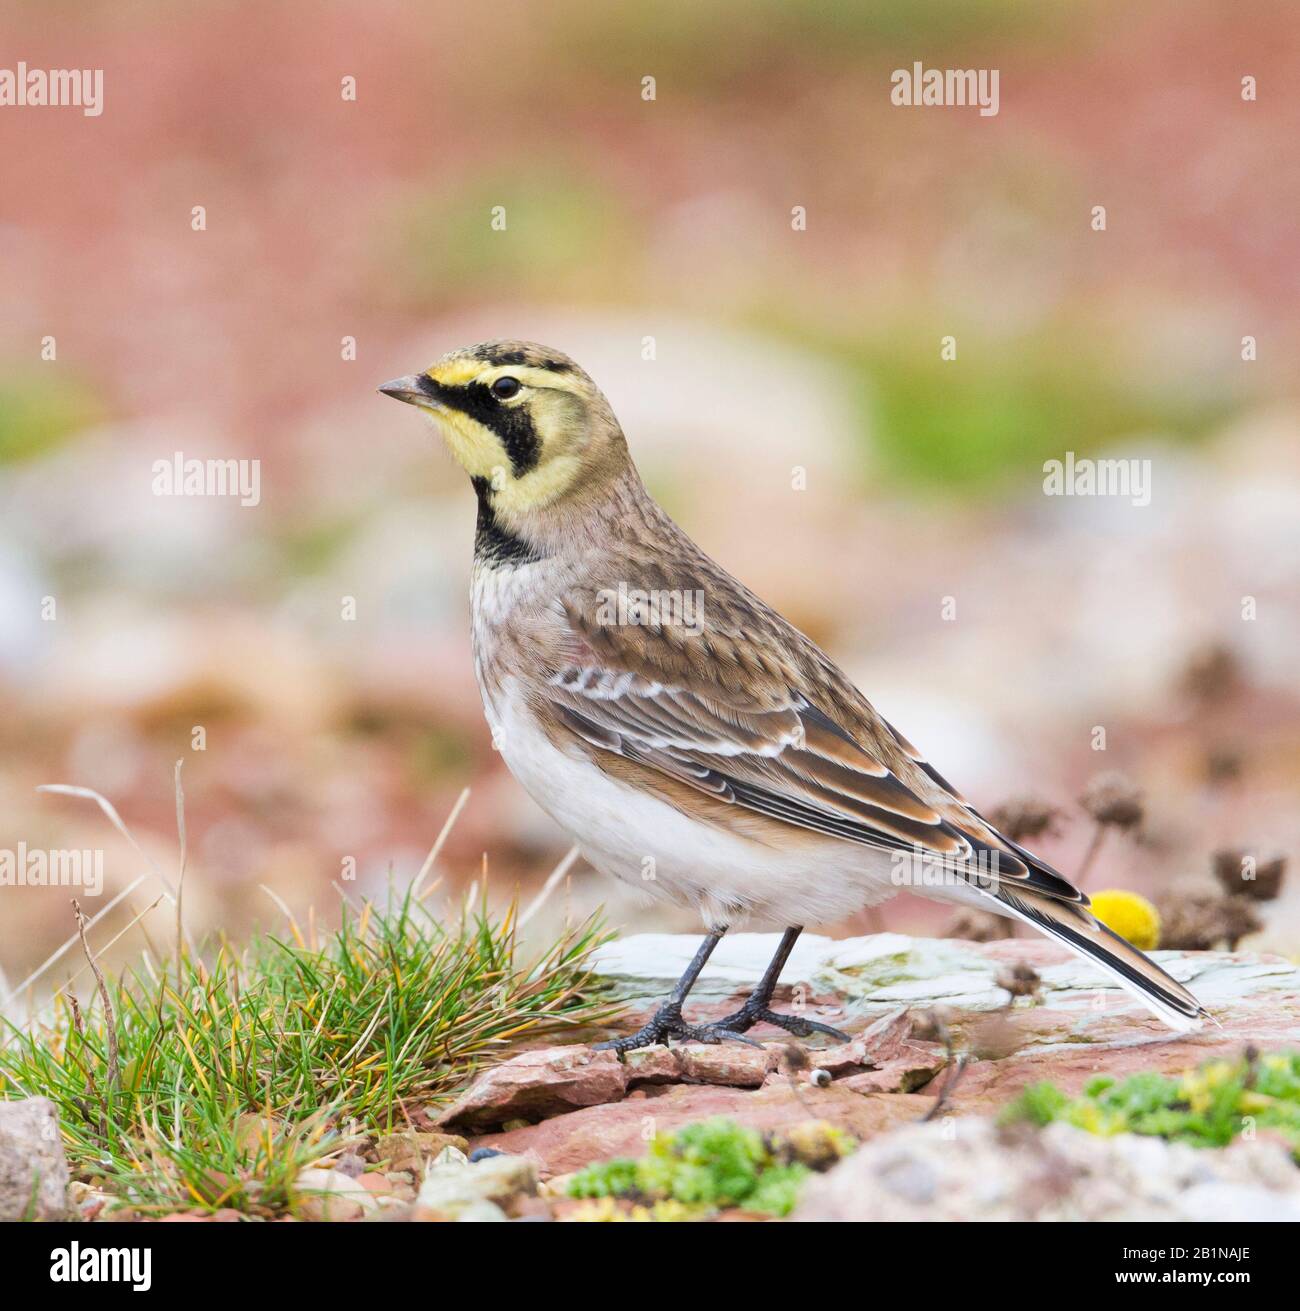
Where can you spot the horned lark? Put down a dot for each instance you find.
(691, 741)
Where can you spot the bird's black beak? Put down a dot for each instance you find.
(406, 389)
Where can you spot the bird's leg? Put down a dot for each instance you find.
(667, 1021)
(756, 1008)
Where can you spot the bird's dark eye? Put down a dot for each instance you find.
(504, 388)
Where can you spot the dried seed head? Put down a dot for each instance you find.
(1201, 921)
(1249, 874)
(1020, 979)
(1113, 799)
(979, 926)
(1212, 674)
(931, 1025)
(1024, 818)
(1223, 764)
(795, 1058)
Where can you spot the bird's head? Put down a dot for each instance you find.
(526, 423)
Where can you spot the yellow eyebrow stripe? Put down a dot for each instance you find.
(459, 373)
(456, 373)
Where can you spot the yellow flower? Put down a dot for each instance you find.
(1134, 918)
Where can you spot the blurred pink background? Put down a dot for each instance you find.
(330, 740)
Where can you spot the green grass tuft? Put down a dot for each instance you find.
(237, 1072)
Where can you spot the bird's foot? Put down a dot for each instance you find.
(666, 1023)
(753, 1012)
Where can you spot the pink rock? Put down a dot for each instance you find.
(911, 1070)
(731, 1064)
(652, 1065)
(568, 1142)
(536, 1084)
(880, 1042)
(350, 1164)
(333, 1209)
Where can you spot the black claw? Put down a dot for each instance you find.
(667, 1023)
(747, 1016)
(720, 1033)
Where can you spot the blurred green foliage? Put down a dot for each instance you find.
(565, 228)
(981, 421)
(973, 423)
(38, 415)
(703, 47)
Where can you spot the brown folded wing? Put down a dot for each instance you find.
(754, 715)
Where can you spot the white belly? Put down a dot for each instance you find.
(666, 853)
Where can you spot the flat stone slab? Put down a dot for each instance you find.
(568, 1142)
(858, 978)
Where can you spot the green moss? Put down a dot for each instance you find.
(1040, 1104)
(884, 972)
(716, 1161)
(702, 1168)
(1208, 1107)
(777, 1192)
(615, 1178)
